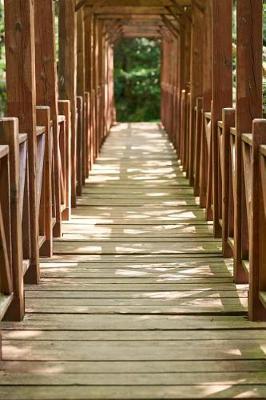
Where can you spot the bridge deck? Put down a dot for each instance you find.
(138, 302)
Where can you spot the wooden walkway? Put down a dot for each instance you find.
(138, 302)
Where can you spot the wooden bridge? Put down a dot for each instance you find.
(132, 256)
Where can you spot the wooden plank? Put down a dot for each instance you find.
(135, 367)
(159, 294)
(134, 350)
(141, 379)
(83, 247)
(118, 392)
(115, 325)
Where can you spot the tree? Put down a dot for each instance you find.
(137, 80)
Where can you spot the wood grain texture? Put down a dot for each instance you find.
(138, 302)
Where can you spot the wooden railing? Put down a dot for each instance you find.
(255, 179)
(253, 172)
(223, 156)
(11, 178)
(6, 285)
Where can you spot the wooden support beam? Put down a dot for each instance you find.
(80, 4)
(170, 26)
(82, 150)
(175, 15)
(21, 101)
(80, 53)
(68, 75)
(221, 94)
(196, 85)
(248, 106)
(205, 191)
(47, 95)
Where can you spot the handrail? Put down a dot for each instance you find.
(10, 219)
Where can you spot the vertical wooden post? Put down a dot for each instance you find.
(88, 17)
(68, 75)
(21, 99)
(196, 80)
(207, 97)
(9, 134)
(80, 147)
(221, 93)
(46, 225)
(249, 104)
(257, 279)
(184, 78)
(80, 53)
(46, 85)
(46, 95)
(198, 143)
(81, 126)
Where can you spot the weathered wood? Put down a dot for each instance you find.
(47, 95)
(6, 284)
(228, 119)
(248, 105)
(257, 309)
(196, 85)
(9, 135)
(64, 148)
(21, 100)
(130, 312)
(68, 76)
(221, 94)
(46, 210)
(207, 97)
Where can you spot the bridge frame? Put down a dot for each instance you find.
(57, 122)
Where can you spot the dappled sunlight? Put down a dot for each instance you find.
(137, 291)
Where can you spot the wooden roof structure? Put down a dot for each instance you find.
(145, 18)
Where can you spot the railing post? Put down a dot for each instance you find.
(9, 134)
(21, 101)
(64, 108)
(198, 142)
(257, 265)
(228, 119)
(46, 217)
(87, 137)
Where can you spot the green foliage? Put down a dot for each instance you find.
(137, 80)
